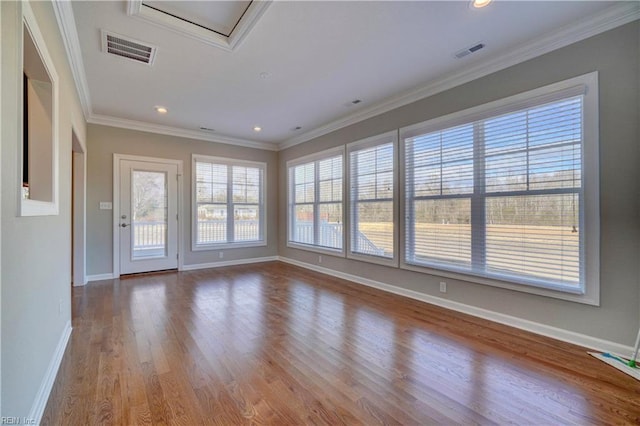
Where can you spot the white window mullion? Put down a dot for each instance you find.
(230, 206)
(292, 202)
(478, 205)
(261, 199)
(354, 204)
(316, 203)
(410, 241)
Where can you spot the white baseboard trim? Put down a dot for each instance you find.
(523, 324)
(40, 402)
(83, 283)
(99, 277)
(229, 263)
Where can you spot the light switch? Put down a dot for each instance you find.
(106, 205)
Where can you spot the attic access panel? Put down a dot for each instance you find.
(221, 17)
(223, 24)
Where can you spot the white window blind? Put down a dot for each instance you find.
(229, 202)
(371, 195)
(501, 196)
(315, 202)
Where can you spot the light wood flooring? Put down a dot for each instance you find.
(276, 344)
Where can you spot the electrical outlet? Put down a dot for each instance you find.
(319, 259)
(443, 287)
(221, 255)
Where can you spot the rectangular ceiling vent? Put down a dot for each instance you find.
(128, 48)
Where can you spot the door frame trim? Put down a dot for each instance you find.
(79, 210)
(116, 205)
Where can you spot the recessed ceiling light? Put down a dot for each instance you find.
(257, 128)
(480, 3)
(265, 75)
(297, 128)
(356, 101)
(161, 109)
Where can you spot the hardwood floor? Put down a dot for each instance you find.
(276, 344)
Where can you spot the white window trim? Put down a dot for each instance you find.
(385, 138)
(332, 152)
(587, 84)
(27, 207)
(194, 204)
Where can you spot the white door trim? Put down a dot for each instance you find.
(116, 206)
(79, 214)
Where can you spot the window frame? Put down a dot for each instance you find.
(262, 204)
(315, 158)
(587, 84)
(26, 206)
(372, 142)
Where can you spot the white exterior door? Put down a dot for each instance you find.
(148, 216)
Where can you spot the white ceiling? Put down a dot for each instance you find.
(305, 61)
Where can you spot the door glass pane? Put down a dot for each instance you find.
(149, 214)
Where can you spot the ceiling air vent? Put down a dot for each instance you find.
(469, 50)
(128, 48)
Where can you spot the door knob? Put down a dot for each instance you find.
(124, 225)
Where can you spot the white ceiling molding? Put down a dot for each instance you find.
(67, 26)
(608, 19)
(123, 123)
(137, 9)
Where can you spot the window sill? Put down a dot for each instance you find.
(221, 246)
(316, 249)
(38, 208)
(378, 260)
(577, 295)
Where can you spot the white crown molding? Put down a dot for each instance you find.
(521, 323)
(71, 41)
(138, 9)
(610, 18)
(142, 126)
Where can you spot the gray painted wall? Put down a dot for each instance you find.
(615, 54)
(105, 141)
(36, 251)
